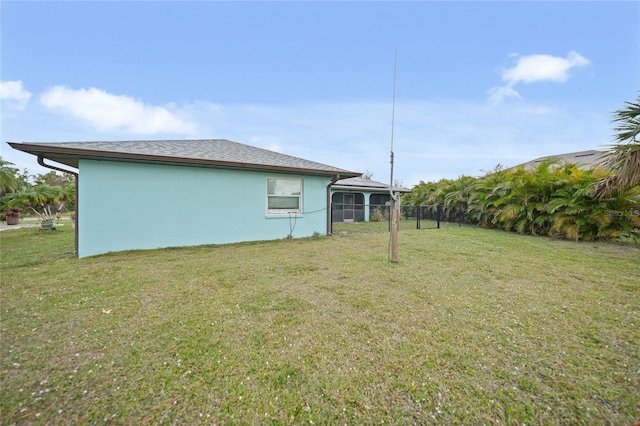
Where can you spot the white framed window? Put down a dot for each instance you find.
(284, 195)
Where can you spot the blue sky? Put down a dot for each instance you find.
(478, 83)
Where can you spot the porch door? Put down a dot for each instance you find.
(349, 207)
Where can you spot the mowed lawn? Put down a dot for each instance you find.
(471, 326)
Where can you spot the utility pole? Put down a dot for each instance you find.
(395, 199)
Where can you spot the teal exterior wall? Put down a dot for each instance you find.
(125, 206)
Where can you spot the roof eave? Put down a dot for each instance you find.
(71, 157)
(367, 188)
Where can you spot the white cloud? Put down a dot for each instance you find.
(535, 68)
(500, 93)
(109, 112)
(13, 94)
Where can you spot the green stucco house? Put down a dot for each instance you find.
(170, 193)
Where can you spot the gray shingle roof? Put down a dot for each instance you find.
(583, 159)
(362, 184)
(204, 152)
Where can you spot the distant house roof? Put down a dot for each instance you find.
(362, 184)
(220, 153)
(583, 159)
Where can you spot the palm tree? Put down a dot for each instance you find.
(486, 191)
(8, 180)
(623, 158)
(576, 215)
(45, 201)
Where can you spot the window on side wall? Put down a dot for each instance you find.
(284, 195)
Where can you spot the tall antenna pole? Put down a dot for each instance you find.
(395, 202)
(393, 119)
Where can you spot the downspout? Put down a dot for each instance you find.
(49, 166)
(334, 179)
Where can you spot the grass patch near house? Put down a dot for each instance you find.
(383, 226)
(471, 326)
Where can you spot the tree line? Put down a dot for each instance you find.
(554, 199)
(45, 195)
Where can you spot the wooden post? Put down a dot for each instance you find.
(395, 227)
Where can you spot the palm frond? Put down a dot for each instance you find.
(623, 158)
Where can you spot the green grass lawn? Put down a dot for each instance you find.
(471, 326)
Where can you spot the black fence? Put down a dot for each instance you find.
(434, 213)
(426, 217)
